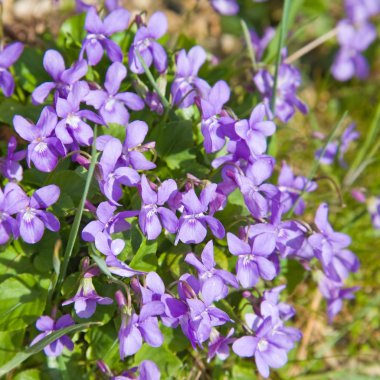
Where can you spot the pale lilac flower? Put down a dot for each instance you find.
(47, 325)
(194, 221)
(260, 44)
(86, 299)
(187, 85)
(253, 262)
(12, 201)
(225, 7)
(112, 105)
(9, 165)
(8, 56)
(99, 32)
(289, 79)
(153, 216)
(33, 218)
(63, 79)
(146, 45)
(119, 268)
(373, 206)
(359, 11)
(353, 39)
(44, 148)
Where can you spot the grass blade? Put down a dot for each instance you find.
(248, 42)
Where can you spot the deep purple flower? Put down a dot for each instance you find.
(9, 165)
(194, 221)
(44, 148)
(86, 299)
(12, 201)
(289, 79)
(187, 85)
(8, 56)
(146, 45)
(153, 216)
(111, 104)
(72, 129)
(225, 7)
(33, 218)
(335, 293)
(63, 79)
(111, 176)
(353, 39)
(260, 44)
(291, 187)
(253, 261)
(208, 274)
(47, 325)
(152, 100)
(98, 33)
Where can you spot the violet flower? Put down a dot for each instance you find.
(44, 148)
(63, 79)
(193, 221)
(153, 216)
(373, 206)
(187, 85)
(148, 48)
(260, 44)
(47, 325)
(12, 201)
(225, 7)
(72, 129)
(9, 165)
(33, 218)
(359, 11)
(253, 261)
(8, 56)
(111, 104)
(207, 272)
(289, 79)
(119, 268)
(99, 32)
(219, 345)
(86, 299)
(353, 39)
(147, 370)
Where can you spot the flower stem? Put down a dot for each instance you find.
(248, 42)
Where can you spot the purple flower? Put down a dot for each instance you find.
(260, 44)
(98, 33)
(119, 268)
(111, 176)
(193, 221)
(359, 11)
(219, 345)
(289, 79)
(147, 369)
(207, 273)
(265, 345)
(44, 148)
(291, 187)
(186, 85)
(63, 79)
(8, 56)
(329, 247)
(9, 165)
(72, 129)
(47, 325)
(153, 216)
(335, 293)
(12, 201)
(225, 7)
(146, 45)
(353, 39)
(33, 218)
(255, 130)
(111, 104)
(373, 205)
(86, 299)
(253, 261)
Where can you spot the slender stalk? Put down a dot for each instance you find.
(317, 162)
(248, 42)
(78, 216)
(281, 43)
(148, 73)
(312, 45)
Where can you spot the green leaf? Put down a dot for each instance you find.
(30, 374)
(10, 344)
(145, 258)
(22, 356)
(22, 301)
(9, 108)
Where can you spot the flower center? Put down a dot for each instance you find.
(109, 107)
(73, 121)
(263, 345)
(29, 214)
(41, 147)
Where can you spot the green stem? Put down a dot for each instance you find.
(317, 162)
(248, 42)
(78, 216)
